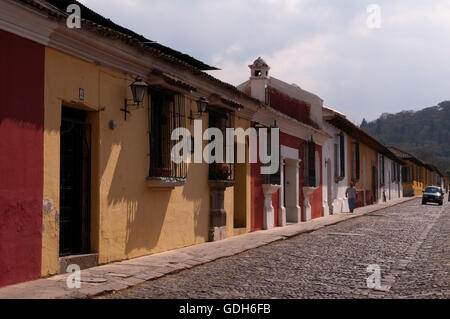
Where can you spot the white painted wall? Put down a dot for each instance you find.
(339, 203)
(391, 189)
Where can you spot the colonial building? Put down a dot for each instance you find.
(335, 166)
(367, 166)
(413, 173)
(21, 153)
(390, 177)
(86, 166)
(89, 119)
(296, 195)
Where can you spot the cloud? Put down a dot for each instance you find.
(324, 46)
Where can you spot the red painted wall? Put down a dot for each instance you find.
(21, 158)
(359, 201)
(257, 203)
(316, 197)
(299, 110)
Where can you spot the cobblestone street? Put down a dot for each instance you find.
(410, 242)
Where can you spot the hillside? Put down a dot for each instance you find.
(425, 133)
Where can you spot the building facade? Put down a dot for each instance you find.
(21, 155)
(89, 173)
(414, 179)
(295, 195)
(368, 166)
(390, 178)
(335, 167)
(87, 165)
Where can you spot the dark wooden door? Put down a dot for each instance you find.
(74, 183)
(374, 184)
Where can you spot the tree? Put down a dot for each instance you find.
(363, 123)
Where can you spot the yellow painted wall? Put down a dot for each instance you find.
(416, 180)
(128, 218)
(368, 158)
(241, 193)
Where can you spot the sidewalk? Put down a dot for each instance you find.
(125, 274)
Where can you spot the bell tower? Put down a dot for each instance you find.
(259, 78)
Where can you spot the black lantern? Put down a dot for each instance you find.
(202, 103)
(138, 89)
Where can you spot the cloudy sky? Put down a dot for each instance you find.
(324, 46)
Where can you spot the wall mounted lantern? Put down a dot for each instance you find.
(202, 103)
(138, 89)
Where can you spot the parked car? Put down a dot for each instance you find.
(433, 194)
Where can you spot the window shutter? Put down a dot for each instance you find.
(336, 159)
(305, 165)
(312, 163)
(342, 153)
(357, 160)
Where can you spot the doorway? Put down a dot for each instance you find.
(329, 187)
(291, 191)
(75, 176)
(374, 184)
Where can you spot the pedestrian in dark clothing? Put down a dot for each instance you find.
(350, 193)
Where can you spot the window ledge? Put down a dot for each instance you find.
(164, 183)
(308, 190)
(213, 183)
(337, 179)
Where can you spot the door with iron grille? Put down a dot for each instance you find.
(74, 183)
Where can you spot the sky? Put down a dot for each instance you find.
(362, 60)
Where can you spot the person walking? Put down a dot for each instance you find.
(350, 193)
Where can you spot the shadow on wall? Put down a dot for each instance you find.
(198, 193)
(151, 215)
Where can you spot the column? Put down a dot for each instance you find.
(282, 212)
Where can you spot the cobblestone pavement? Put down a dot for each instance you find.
(410, 243)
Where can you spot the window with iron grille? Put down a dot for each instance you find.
(393, 172)
(275, 178)
(382, 170)
(221, 119)
(355, 165)
(336, 161)
(357, 161)
(167, 112)
(342, 153)
(405, 175)
(352, 165)
(309, 164)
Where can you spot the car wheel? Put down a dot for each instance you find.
(424, 202)
(440, 203)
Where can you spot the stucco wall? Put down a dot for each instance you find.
(391, 189)
(128, 218)
(21, 158)
(368, 158)
(257, 195)
(415, 183)
(338, 203)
